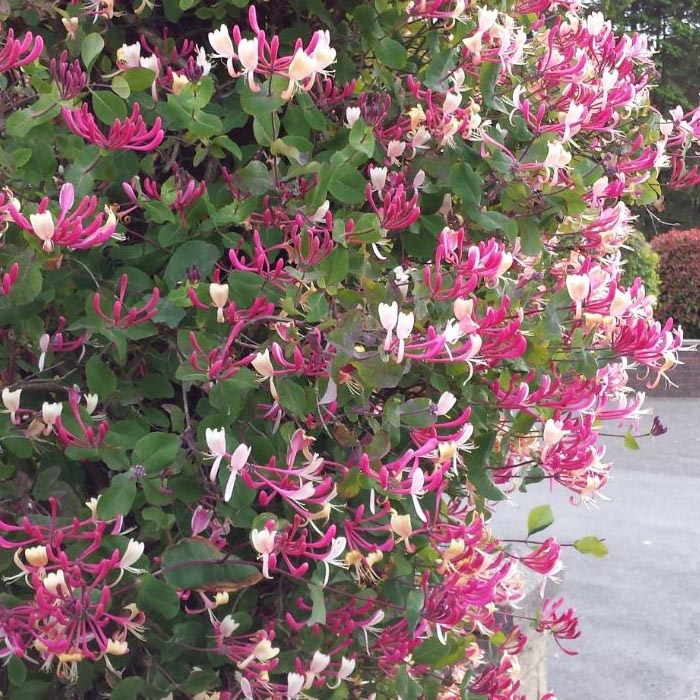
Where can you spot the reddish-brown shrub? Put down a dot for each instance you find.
(679, 270)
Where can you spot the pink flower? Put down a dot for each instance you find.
(16, 53)
(131, 134)
(70, 229)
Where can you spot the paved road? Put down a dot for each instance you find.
(639, 607)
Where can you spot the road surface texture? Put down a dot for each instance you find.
(639, 607)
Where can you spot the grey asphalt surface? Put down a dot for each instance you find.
(639, 607)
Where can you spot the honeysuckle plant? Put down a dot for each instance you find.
(293, 295)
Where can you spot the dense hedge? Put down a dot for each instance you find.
(679, 270)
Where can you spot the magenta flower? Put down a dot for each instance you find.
(16, 53)
(132, 134)
(70, 229)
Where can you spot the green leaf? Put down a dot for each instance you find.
(260, 104)
(292, 397)
(32, 690)
(199, 681)
(195, 563)
(391, 53)
(477, 463)
(153, 595)
(108, 107)
(156, 451)
(406, 687)
(90, 48)
(100, 378)
(16, 671)
(335, 266)
(22, 121)
(265, 130)
(347, 185)
(417, 413)
(467, 185)
(317, 308)
(204, 125)
(120, 86)
(435, 654)
(439, 68)
(495, 221)
(591, 545)
(375, 373)
(203, 255)
(630, 442)
(127, 688)
(490, 72)
(139, 78)
(362, 138)
(414, 608)
(318, 605)
(118, 498)
(254, 178)
(539, 518)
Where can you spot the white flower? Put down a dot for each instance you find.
(54, 581)
(323, 54)
(417, 483)
(319, 662)
(388, 317)
(220, 41)
(262, 652)
(552, 432)
(301, 67)
(134, 551)
(395, 149)
(263, 365)
(228, 626)
(49, 413)
(91, 403)
(445, 403)
(180, 82)
(116, 647)
(404, 326)
(620, 303)
(338, 545)
(36, 556)
(10, 400)
(295, 683)
(578, 287)
(219, 297)
(249, 57)
(264, 543)
(451, 103)
(216, 442)
(239, 459)
(44, 228)
(377, 177)
(320, 214)
(202, 61)
(129, 55)
(352, 114)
